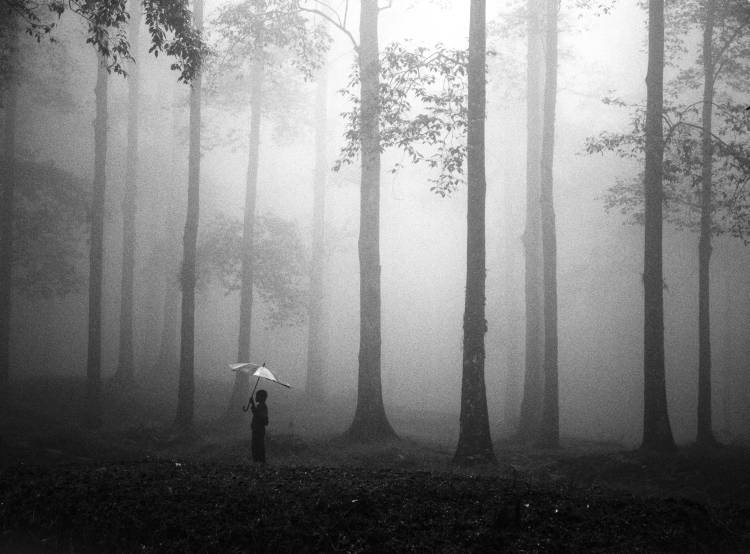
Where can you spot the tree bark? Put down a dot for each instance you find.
(315, 360)
(370, 422)
(705, 436)
(474, 441)
(241, 381)
(511, 346)
(125, 370)
(93, 409)
(531, 405)
(168, 359)
(7, 210)
(549, 432)
(657, 432)
(186, 387)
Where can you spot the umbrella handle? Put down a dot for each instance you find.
(247, 407)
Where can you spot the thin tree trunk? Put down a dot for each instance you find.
(186, 387)
(531, 405)
(168, 359)
(728, 357)
(474, 441)
(549, 433)
(657, 432)
(125, 370)
(241, 381)
(512, 315)
(7, 210)
(315, 385)
(705, 436)
(93, 416)
(370, 422)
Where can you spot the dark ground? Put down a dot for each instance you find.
(134, 487)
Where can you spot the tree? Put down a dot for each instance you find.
(169, 22)
(315, 359)
(93, 410)
(657, 432)
(705, 168)
(186, 388)
(705, 432)
(549, 434)
(125, 368)
(7, 206)
(253, 33)
(531, 405)
(474, 441)
(370, 421)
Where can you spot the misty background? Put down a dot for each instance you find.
(423, 252)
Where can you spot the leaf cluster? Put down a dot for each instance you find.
(423, 111)
(169, 22)
(49, 235)
(279, 263)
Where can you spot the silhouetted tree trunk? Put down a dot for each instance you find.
(512, 316)
(531, 405)
(241, 381)
(186, 388)
(168, 358)
(474, 441)
(315, 309)
(7, 209)
(93, 416)
(549, 432)
(657, 432)
(124, 374)
(705, 436)
(370, 421)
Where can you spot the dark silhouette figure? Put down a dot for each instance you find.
(258, 426)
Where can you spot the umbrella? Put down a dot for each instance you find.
(260, 371)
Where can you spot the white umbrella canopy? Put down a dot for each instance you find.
(261, 371)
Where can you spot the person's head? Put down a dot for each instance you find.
(261, 396)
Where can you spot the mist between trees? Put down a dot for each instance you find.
(310, 181)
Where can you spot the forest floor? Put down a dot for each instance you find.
(133, 486)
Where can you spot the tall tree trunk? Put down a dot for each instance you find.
(93, 416)
(186, 387)
(315, 385)
(657, 432)
(531, 405)
(370, 421)
(241, 381)
(549, 433)
(705, 436)
(474, 441)
(728, 357)
(512, 315)
(7, 209)
(168, 358)
(125, 371)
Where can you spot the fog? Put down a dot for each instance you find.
(422, 237)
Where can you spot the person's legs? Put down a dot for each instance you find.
(258, 445)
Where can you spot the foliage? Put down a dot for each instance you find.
(270, 32)
(279, 265)
(683, 128)
(272, 35)
(49, 231)
(682, 168)
(169, 22)
(423, 110)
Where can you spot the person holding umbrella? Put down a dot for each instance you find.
(258, 426)
(260, 411)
